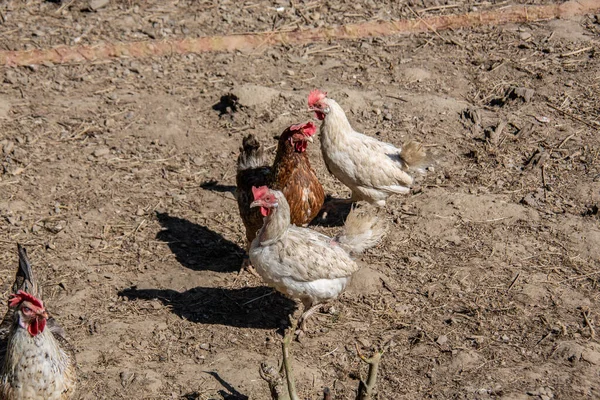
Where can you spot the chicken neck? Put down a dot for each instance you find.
(285, 161)
(275, 224)
(335, 123)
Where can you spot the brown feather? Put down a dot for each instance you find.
(291, 173)
(294, 176)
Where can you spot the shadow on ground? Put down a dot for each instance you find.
(197, 247)
(253, 307)
(215, 186)
(333, 212)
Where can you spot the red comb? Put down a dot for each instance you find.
(259, 192)
(307, 128)
(17, 298)
(315, 96)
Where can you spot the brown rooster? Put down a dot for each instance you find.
(37, 363)
(291, 173)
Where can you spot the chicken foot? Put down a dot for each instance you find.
(247, 266)
(308, 311)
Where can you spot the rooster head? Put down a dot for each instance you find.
(317, 103)
(299, 135)
(31, 311)
(265, 199)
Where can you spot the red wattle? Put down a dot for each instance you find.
(300, 146)
(320, 115)
(264, 211)
(36, 326)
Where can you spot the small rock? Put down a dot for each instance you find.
(12, 220)
(254, 95)
(95, 5)
(522, 93)
(126, 378)
(387, 117)
(442, 339)
(101, 152)
(364, 343)
(4, 107)
(8, 147)
(530, 200)
(198, 161)
(205, 346)
(11, 77)
(524, 35)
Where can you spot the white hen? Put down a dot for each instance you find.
(305, 264)
(372, 169)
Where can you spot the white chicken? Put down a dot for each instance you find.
(373, 170)
(305, 264)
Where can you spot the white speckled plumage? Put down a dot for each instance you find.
(305, 264)
(40, 367)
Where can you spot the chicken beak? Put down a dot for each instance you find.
(256, 203)
(310, 139)
(44, 314)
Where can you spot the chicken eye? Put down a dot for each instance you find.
(26, 309)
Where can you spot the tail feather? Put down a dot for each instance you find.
(252, 154)
(24, 279)
(362, 230)
(415, 157)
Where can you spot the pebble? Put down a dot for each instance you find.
(387, 117)
(442, 339)
(10, 77)
(524, 35)
(126, 378)
(101, 152)
(95, 5)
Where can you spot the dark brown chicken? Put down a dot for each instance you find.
(253, 169)
(291, 173)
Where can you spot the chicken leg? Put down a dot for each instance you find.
(309, 309)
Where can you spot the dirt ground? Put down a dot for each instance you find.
(119, 176)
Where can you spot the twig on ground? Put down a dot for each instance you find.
(367, 390)
(515, 279)
(586, 313)
(274, 378)
(576, 118)
(287, 363)
(275, 381)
